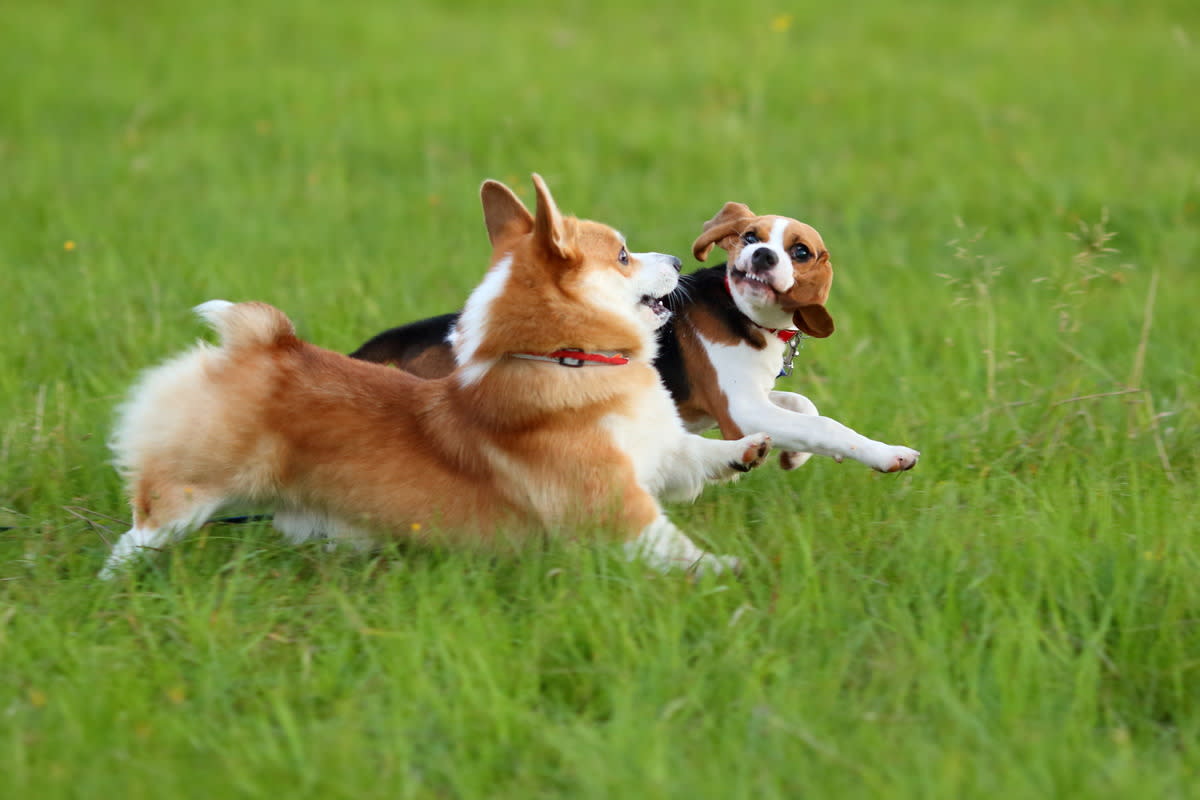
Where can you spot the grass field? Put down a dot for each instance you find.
(1010, 192)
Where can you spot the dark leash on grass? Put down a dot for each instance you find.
(81, 514)
(242, 519)
(89, 517)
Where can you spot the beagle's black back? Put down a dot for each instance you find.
(407, 345)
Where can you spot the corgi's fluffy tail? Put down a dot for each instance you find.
(246, 324)
(178, 401)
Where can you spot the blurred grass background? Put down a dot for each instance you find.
(1009, 192)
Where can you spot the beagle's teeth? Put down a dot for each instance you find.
(747, 276)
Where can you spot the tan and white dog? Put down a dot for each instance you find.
(554, 416)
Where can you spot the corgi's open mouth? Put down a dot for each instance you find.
(656, 306)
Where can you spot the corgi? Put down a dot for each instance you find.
(553, 417)
(734, 330)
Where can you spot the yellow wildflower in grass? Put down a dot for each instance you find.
(781, 23)
(68, 245)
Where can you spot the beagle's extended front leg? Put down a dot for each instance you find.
(695, 461)
(809, 433)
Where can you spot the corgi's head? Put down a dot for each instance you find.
(778, 271)
(557, 282)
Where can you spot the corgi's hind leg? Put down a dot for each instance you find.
(663, 546)
(162, 513)
(652, 538)
(299, 525)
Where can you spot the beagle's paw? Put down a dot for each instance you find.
(755, 449)
(894, 458)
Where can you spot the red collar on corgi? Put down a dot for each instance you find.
(575, 358)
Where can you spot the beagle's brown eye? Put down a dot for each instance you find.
(623, 256)
(801, 253)
(749, 237)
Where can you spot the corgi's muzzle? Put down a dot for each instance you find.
(661, 273)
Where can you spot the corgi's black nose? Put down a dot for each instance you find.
(763, 258)
(677, 264)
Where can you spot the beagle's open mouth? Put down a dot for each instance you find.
(656, 306)
(751, 281)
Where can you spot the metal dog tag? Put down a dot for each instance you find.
(789, 354)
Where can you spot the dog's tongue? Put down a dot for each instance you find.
(656, 305)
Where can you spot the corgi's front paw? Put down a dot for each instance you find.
(711, 564)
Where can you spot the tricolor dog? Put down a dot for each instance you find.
(734, 327)
(552, 418)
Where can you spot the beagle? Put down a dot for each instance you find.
(738, 329)
(552, 418)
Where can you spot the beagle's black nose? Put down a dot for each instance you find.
(763, 258)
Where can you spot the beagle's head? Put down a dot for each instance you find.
(778, 271)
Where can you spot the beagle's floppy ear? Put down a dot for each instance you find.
(503, 212)
(813, 320)
(724, 224)
(549, 229)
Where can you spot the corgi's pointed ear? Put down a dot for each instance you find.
(503, 212)
(813, 320)
(549, 230)
(723, 225)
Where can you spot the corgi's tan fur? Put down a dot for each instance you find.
(358, 451)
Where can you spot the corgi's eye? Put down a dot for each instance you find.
(801, 253)
(749, 237)
(623, 256)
